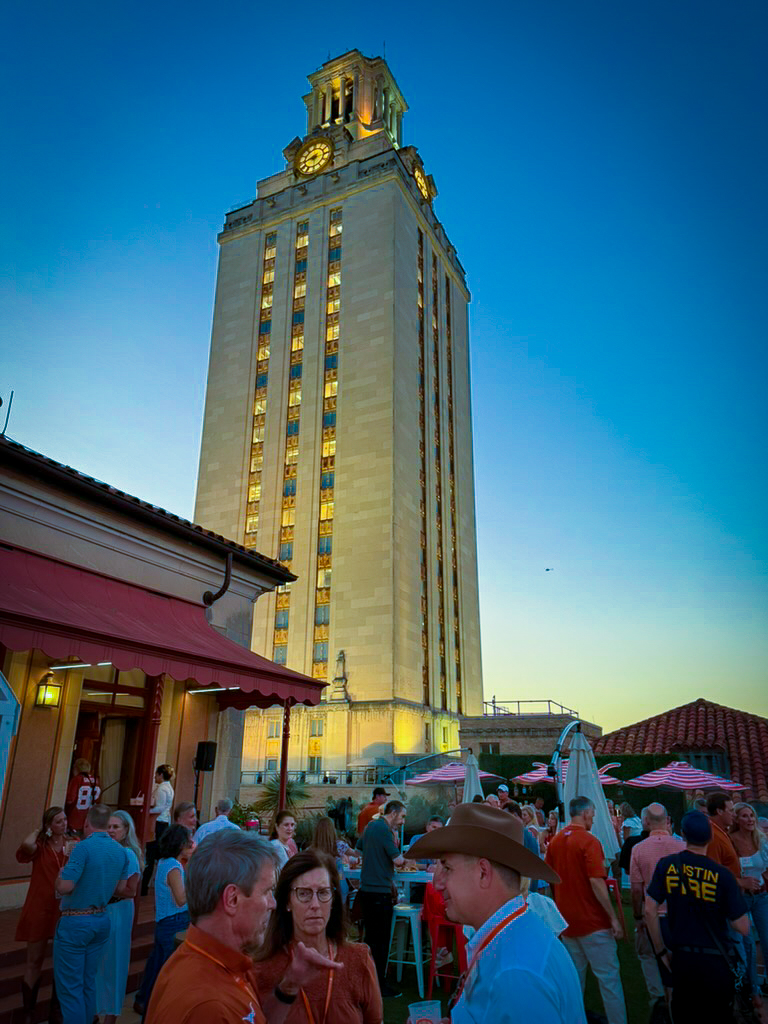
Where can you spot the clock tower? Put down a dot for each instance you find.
(338, 438)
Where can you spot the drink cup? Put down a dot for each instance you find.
(425, 1013)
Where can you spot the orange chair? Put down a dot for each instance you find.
(442, 932)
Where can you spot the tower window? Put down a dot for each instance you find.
(329, 418)
(320, 651)
(296, 371)
(316, 727)
(281, 619)
(286, 553)
(324, 547)
(280, 654)
(322, 615)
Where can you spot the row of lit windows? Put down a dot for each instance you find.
(438, 486)
(423, 481)
(260, 398)
(328, 457)
(452, 494)
(292, 428)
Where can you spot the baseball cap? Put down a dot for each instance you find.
(503, 789)
(696, 828)
(380, 792)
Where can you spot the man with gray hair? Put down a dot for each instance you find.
(645, 856)
(583, 900)
(229, 886)
(223, 810)
(97, 869)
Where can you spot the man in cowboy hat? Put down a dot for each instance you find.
(516, 967)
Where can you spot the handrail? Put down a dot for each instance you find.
(493, 708)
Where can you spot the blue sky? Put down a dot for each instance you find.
(601, 170)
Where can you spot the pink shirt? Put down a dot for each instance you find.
(647, 854)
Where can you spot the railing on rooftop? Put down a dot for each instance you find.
(492, 708)
(239, 206)
(340, 777)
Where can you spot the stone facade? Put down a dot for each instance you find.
(518, 734)
(401, 579)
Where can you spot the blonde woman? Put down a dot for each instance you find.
(112, 979)
(752, 848)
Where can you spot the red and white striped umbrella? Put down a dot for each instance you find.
(447, 774)
(540, 774)
(681, 775)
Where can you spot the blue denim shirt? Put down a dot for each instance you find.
(524, 974)
(96, 865)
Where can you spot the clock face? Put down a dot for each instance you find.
(421, 181)
(313, 156)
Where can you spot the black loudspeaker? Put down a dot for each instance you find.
(205, 760)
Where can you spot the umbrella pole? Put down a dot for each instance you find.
(553, 769)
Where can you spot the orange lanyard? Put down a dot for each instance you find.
(240, 982)
(307, 1007)
(486, 942)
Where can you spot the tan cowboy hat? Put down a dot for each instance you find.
(480, 830)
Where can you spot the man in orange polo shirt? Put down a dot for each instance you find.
(379, 798)
(229, 884)
(583, 900)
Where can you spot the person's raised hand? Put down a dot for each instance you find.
(306, 963)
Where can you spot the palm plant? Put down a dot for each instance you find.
(296, 793)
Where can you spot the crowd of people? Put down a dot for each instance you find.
(267, 933)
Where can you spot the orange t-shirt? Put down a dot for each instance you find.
(722, 850)
(365, 816)
(576, 855)
(205, 982)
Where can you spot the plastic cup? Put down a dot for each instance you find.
(425, 1013)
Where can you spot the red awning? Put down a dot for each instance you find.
(66, 611)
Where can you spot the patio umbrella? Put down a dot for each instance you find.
(583, 779)
(540, 774)
(681, 775)
(449, 774)
(472, 785)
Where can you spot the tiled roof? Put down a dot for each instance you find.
(33, 462)
(701, 725)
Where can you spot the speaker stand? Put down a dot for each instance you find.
(197, 786)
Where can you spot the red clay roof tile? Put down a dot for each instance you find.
(701, 725)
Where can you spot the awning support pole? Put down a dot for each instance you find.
(146, 772)
(284, 754)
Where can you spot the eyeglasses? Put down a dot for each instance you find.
(305, 895)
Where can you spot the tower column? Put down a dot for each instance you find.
(317, 104)
(342, 87)
(399, 127)
(328, 101)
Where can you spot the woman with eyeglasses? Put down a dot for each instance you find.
(310, 911)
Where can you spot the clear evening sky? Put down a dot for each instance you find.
(602, 171)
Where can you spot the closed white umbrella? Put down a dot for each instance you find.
(583, 779)
(472, 785)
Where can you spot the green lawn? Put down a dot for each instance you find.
(396, 1010)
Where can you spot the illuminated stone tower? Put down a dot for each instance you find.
(338, 434)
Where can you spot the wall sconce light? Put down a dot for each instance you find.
(48, 692)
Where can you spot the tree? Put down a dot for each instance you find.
(296, 793)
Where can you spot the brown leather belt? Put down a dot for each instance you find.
(82, 913)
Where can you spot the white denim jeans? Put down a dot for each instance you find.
(598, 951)
(648, 964)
